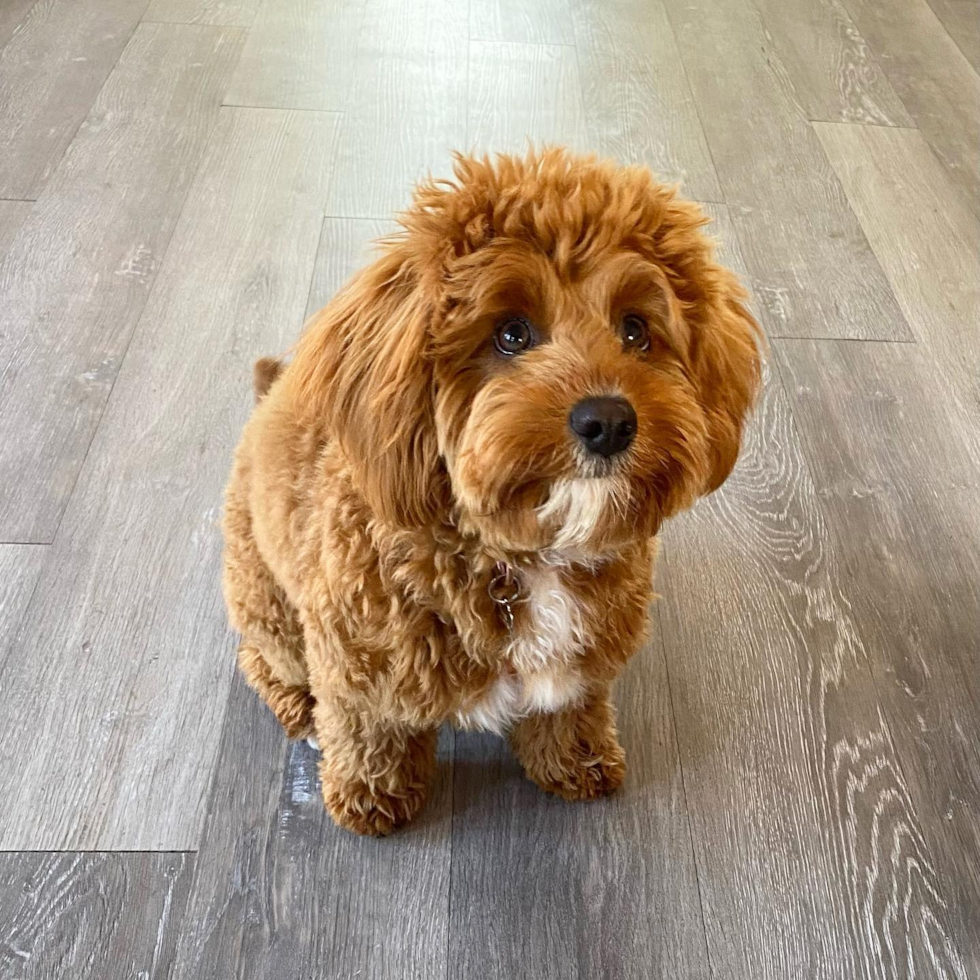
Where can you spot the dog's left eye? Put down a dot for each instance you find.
(634, 333)
(513, 336)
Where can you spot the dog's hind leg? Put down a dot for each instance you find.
(292, 704)
(271, 652)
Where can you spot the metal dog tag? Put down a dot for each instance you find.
(504, 590)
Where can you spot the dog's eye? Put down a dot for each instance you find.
(634, 332)
(514, 336)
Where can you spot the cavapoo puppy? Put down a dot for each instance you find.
(444, 509)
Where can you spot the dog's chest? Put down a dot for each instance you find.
(542, 652)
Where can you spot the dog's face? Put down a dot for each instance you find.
(565, 409)
(549, 354)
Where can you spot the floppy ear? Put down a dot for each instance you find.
(361, 368)
(727, 369)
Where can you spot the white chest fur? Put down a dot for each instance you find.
(544, 652)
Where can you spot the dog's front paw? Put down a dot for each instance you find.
(370, 811)
(584, 774)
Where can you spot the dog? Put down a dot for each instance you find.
(445, 507)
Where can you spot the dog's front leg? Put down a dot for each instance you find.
(374, 774)
(575, 752)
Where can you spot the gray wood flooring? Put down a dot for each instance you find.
(182, 182)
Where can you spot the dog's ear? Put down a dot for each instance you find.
(727, 370)
(362, 366)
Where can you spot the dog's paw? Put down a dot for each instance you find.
(371, 812)
(587, 775)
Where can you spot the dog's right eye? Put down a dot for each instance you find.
(513, 336)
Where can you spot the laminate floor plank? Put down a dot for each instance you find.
(13, 13)
(927, 242)
(961, 18)
(638, 104)
(900, 483)
(51, 70)
(280, 891)
(549, 889)
(77, 275)
(346, 245)
(406, 111)
(934, 80)
(91, 916)
(111, 736)
(523, 94)
(219, 13)
(20, 567)
(299, 55)
(534, 21)
(808, 843)
(810, 265)
(835, 75)
(12, 215)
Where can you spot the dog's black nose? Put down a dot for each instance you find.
(605, 425)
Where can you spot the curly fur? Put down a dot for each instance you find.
(398, 457)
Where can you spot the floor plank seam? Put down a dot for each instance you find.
(862, 125)
(696, 103)
(94, 850)
(357, 217)
(283, 108)
(452, 848)
(54, 164)
(845, 340)
(680, 766)
(194, 23)
(945, 31)
(319, 244)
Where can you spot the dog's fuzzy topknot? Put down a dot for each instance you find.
(555, 199)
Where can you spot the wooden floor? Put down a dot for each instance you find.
(181, 183)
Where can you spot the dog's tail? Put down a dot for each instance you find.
(264, 372)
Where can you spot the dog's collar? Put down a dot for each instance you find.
(504, 588)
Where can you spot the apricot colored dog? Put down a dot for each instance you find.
(444, 509)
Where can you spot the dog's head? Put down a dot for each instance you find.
(548, 352)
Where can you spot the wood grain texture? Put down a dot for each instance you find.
(119, 674)
(13, 13)
(50, 72)
(926, 241)
(961, 18)
(12, 215)
(346, 245)
(934, 80)
(281, 892)
(77, 275)
(535, 21)
(523, 94)
(299, 55)
(91, 916)
(806, 837)
(900, 484)
(797, 799)
(638, 104)
(834, 73)
(549, 889)
(20, 567)
(220, 13)
(810, 265)
(407, 107)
